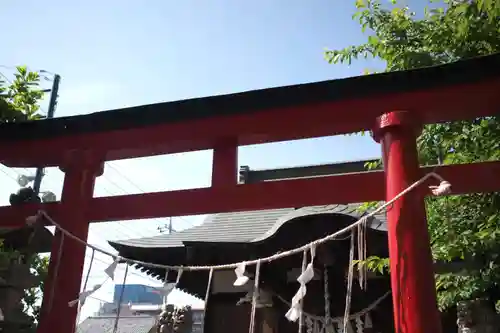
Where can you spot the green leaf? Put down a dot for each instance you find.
(463, 227)
(20, 98)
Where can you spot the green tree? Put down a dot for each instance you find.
(19, 101)
(465, 227)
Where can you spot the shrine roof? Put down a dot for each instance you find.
(241, 227)
(359, 87)
(257, 226)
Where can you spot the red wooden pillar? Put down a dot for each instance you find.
(66, 266)
(412, 275)
(225, 163)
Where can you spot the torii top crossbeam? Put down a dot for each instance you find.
(458, 91)
(403, 101)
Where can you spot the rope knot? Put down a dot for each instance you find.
(443, 188)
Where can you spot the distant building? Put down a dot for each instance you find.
(137, 294)
(140, 318)
(133, 294)
(139, 309)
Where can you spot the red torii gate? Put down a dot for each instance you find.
(397, 103)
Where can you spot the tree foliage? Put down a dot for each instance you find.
(32, 297)
(465, 227)
(19, 101)
(38, 267)
(20, 98)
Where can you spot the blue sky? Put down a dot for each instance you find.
(113, 54)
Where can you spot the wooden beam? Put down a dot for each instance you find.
(458, 102)
(339, 189)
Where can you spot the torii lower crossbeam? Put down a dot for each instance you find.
(356, 187)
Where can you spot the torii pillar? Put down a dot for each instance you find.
(411, 265)
(68, 256)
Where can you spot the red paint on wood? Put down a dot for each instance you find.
(358, 187)
(412, 274)
(67, 255)
(302, 121)
(225, 163)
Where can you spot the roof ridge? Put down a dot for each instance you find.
(242, 227)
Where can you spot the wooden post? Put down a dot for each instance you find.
(412, 275)
(225, 163)
(68, 256)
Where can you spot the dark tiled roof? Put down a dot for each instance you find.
(132, 324)
(244, 227)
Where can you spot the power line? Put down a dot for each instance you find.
(141, 190)
(6, 78)
(98, 299)
(124, 191)
(133, 232)
(14, 179)
(39, 170)
(8, 67)
(31, 69)
(9, 175)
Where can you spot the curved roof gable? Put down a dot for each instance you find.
(243, 227)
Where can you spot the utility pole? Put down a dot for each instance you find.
(166, 227)
(50, 114)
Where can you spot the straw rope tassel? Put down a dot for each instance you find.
(120, 300)
(56, 271)
(301, 302)
(207, 293)
(348, 295)
(362, 271)
(328, 316)
(255, 295)
(80, 304)
(165, 296)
